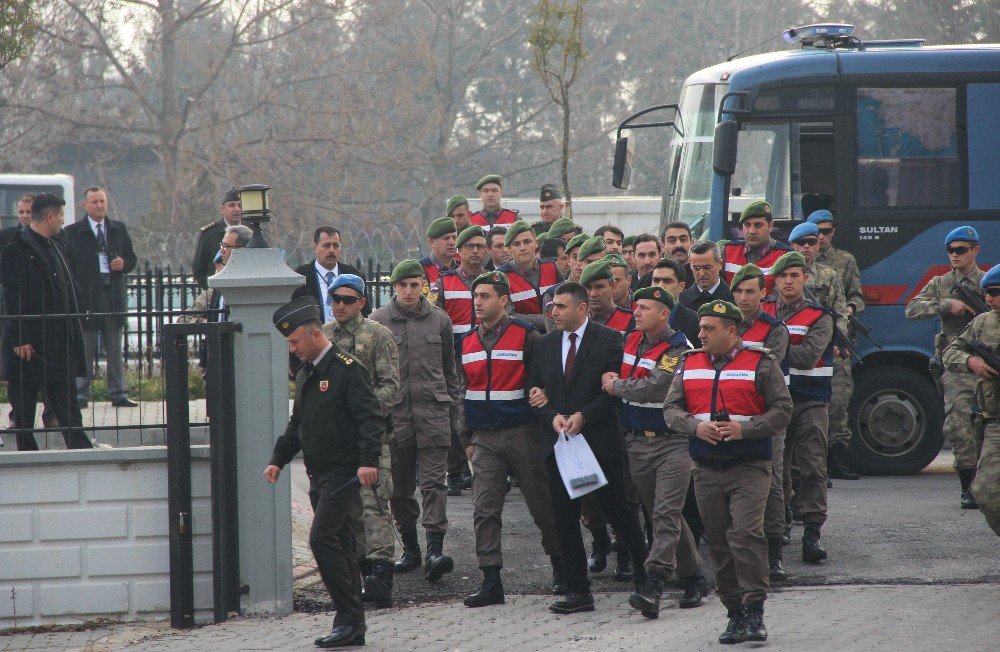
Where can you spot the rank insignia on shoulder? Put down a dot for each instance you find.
(345, 359)
(668, 363)
(432, 297)
(208, 226)
(324, 385)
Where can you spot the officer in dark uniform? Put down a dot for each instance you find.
(550, 206)
(338, 425)
(211, 236)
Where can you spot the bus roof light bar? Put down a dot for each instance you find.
(827, 35)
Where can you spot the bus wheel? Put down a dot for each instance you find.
(896, 416)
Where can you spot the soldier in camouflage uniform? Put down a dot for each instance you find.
(936, 301)
(843, 384)
(373, 345)
(985, 328)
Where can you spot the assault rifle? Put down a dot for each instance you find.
(970, 298)
(840, 339)
(987, 353)
(859, 327)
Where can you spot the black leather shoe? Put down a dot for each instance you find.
(647, 597)
(377, 586)
(125, 403)
(812, 551)
(623, 569)
(598, 560)
(467, 480)
(558, 579)
(573, 603)
(410, 558)
(968, 501)
(454, 484)
(436, 563)
(838, 465)
(774, 569)
(343, 636)
(736, 630)
(491, 592)
(755, 629)
(695, 590)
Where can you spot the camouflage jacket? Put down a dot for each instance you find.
(850, 276)
(933, 302)
(374, 347)
(824, 284)
(986, 328)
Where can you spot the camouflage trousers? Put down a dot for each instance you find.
(372, 522)
(843, 387)
(959, 395)
(986, 486)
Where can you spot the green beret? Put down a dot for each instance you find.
(561, 227)
(656, 294)
(595, 271)
(489, 178)
(499, 279)
(441, 226)
(791, 259)
(593, 245)
(549, 192)
(541, 237)
(295, 313)
(468, 234)
(722, 309)
(576, 241)
(616, 260)
(454, 203)
(743, 273)
(407, 269)
(628, 241)
(756, 209)
(514, 230)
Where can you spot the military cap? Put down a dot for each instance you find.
(441, 226)
(820, 216)
(656, 294)
(628, 241)
(549, 192)
(499, 279)
(576, 241)
(406, 269)
(541, 237)
(991, 277)
(468, 234)
(489, 178)
(352, 281)
(454, 203)
(756, 209)
(748, 271)
(722, 309)
(561, 227)
(962, 234)
(596, 271)
(516, 229)
(616, 260)
(803, 230)
(231, 195)
(295, 313)
(791, 259)
(593, 245)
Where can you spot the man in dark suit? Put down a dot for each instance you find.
(706, 265)
(210, 236)
(669, 275)
(102, 256)
(323, 270)
(565, 394)
(42, 353)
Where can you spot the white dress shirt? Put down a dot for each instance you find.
(325, 289)
(579, 340)
(329, 345)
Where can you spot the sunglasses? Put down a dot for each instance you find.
(806, 242)
(338, 298)
(993, 292)
(958, 251)
(826, 231)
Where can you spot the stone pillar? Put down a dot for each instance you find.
(255, 283)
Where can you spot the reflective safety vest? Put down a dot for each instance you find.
(645, 416)
(757, 334)
(814, 384)
(735, 256)
(505, 218)
(621, 320)
(732, 389)
(527, 298)
(431, 270)
(495, 397)
(458, 305)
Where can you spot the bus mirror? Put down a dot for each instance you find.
(724, 152)
(622, 171)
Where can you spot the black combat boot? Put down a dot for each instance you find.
(812, 552)
(647, 597)
(467, 480)
(623, 569)
(736, 630)
(837, 463)
(436, 564)
(599, 557)
(378, 586)
(365, 566)
(491, 592)
(755, 630)
(410, 558)
(774, 569)
(558, 579)
(695, 590)
(966, 476)
(454, 484)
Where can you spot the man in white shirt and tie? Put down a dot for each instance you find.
(323, 270)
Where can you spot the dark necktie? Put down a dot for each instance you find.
(102, 246)
(570, 356)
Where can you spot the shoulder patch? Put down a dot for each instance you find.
(207, 227)
(346, 359)
(763, 350)
(690, 351)
(668, 363)
(432, 296)
(523, 323)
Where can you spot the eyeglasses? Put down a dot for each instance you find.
(826, 231)
(993, 292)
(474, 247)
(229, 246)
(957, 251)
(339, 298)
(806, 242)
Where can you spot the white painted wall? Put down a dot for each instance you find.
(633, 215)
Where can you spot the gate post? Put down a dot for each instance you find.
(255, 283)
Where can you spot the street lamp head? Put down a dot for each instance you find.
(253, 201)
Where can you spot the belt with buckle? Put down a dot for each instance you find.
(649, 434)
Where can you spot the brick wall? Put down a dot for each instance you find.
(83, 534)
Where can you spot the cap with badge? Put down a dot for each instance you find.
(499, 279)
(516, 229)
(791, 259)
(746, 272)
(441, 227)
(991, 278)
(820, 216)
(489, 178)
(408, 268)
(596, 271)
(541, 237)
(594, 245)
(756, 209)
(576, 241)
(231, 195)
(962, 234)
(295, 313)
(803, 230)
(722, 309)
(561, 227)
(352, 281)
(655, 294)
(454, 203)
(616, 260)
(549, 192)
(469, 234)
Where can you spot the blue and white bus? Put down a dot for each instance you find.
(899, 140)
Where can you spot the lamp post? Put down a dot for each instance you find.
(253, 202)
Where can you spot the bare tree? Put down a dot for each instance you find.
(17, 29)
